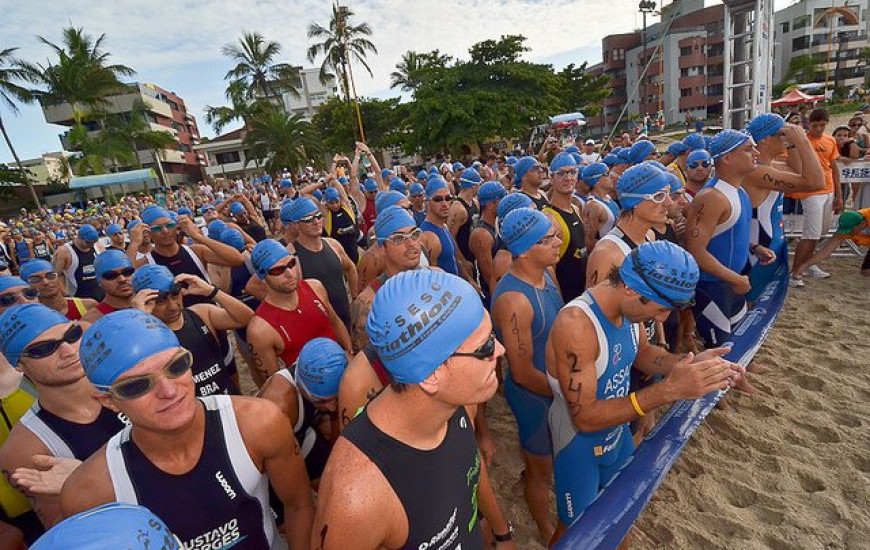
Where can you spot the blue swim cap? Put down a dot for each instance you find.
(113, 229)
(699, 155)
(512, 202)
(674, 181)
(385, 199)
(623, 157)
(285, 183)
(109, 260)
(88, 232)
(299, 208)
(317, 194)
(727, 141)
(521, 229)
(571, 149)
(173, 216)
(523, 166)
(765, 125)
(643, 179)
(469, 178)
(594, 172)
(640, 151)
(132, 224)
(11, 281)
(370, 185)
(434, 185)
(331, 194)
(319, 367)
(511, 161)
(433, 170)
(343, 180)
(671, 273)
(457, 166)
(23, 323)
(117, 342)
(112, 525)
(417, 189)
(489, 192)
(694, 142)
(390, 220)
(562, 160)
(399, 185)
(216, 227)
(610, 160)
(153, 213)
(286, 208)
(386, 172)
(419, 318)
(655, 163)
(577, 158)
(267, 253)
(184, 211)
(153, 277)
(707, 142)
(233, 237)
(422, 174)
(33, 267)
(677, 148)
(237, 208)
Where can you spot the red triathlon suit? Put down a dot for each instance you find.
(298, 326)
(368, 216)
(105, 308)
(75, 309)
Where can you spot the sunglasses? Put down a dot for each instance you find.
(28, 294)
(699, 163)
(173, 292)
(658, 197)
(311, 218)
(680, 305)
(46, 348)
(448, 198)
(547, 239)
(125, 271)
(167, 226)
(566, 173)
(486, 351)
(400, 238)
(36, 279)
(280, 269)
(137, 386)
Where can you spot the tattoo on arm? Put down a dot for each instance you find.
(515, 330)
(323, 536)
(572, 399)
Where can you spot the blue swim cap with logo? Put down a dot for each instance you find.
(233, 237)
(215, 228)
(21, 324)
(594, 172)
(765, 125)
(110, 260)
(419, 318)
(639, 180)
(433, 185)
(469, 178)
(300, 208)
(153, 277)
(112, 525)
(397, 184)
(390, 220)
(512, 202)
(11, 281)
(319, 367)
(521, 229)
(32, 267)
(386, 199)
(489, 192)
(640, 151)
(662, 272)
(119, 341)
(153, 213)
(727, 141)
(265, 254)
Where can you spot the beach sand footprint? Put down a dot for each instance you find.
(739, 495)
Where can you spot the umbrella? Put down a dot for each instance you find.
(796, 97)
(568, 119)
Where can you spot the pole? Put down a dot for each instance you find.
(341, 24)
(830, 15)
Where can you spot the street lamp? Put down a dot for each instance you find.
(645, 7)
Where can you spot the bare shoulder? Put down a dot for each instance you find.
(260, 330)
(88, 486)
(19, 448)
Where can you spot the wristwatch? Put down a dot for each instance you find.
(507, 536)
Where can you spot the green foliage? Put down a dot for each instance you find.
(98, 153)
(801, 69)
(256, 71)
(277, 139)
(496, 94)
(582, 91)
(336, 122)
(341, 44)
(12, 176)
(414, 67)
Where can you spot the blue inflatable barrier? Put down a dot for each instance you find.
(607, 520)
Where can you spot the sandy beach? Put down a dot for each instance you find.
(786, 470)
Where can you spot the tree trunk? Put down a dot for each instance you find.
(24, 175)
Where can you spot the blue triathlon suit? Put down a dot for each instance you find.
(717, 308)
(447, 258)
(584, 462)
(529, 408)
(767, 230)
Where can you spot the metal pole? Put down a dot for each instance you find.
(341, 25)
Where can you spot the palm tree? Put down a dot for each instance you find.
(280, 139)
(81, 76)
(342, 43)
(408, 74)
(97, 152)
(240, 109)
(802, 66)
(256, 70)
(9, 90)
(134, 131)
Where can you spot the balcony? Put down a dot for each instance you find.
(696, 59)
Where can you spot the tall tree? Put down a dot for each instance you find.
(240, 109)
(81, 76)
(135, 131)
(341, 44)
(582, 91)
(413, 67)
(383, 124)
(98, 152)
(257, 70)
(9, 91)
(802, 68)
(279, 139)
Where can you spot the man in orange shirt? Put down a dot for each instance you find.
(853, 225)
(819, 206)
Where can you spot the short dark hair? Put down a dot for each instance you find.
(615, 279)
(819, 115)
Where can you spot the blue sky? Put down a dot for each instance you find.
(177, 45)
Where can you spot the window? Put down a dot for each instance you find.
(684, 72)
(227, 158)
(686, 92)
(184, 147)
(800, 22)
(714, 90)
(784, 27)
(800, 43)
(686, 51)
